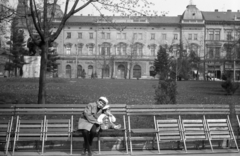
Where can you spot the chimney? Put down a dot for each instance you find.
(229, 10)
(216, 10)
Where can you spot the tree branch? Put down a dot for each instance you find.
(34, 21)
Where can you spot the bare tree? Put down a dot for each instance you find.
(6, 15)
(42, 24)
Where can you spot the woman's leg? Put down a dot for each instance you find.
(93, 133)
(86, 137)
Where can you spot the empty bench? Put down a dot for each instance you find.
(179, 123)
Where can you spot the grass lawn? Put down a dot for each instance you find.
(74, 91)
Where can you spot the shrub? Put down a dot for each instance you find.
(165, 92)
(230, 87)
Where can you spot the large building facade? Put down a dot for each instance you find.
(125, 47)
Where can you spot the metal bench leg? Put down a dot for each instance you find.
(99, 143)
(158, 146)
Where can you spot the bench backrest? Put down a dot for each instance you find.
(169, 129)
(26, 128)
(58, 129)
(71, 109)
(178, 109)
(5, 129)
(194, 129)
(219, 129)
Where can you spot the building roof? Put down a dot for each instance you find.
(125, 19)
(192, 13)
(221, 16)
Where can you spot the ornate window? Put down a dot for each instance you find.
(90, 48)
(79, 49)
(152, 48)
(68, 48)
(105, 48)
(121, 49)
(137, 49)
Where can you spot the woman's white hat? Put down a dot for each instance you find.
(102, 98)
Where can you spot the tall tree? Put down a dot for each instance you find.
(166, 90)
(42, 24)
(18, 49)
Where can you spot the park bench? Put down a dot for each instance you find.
(6, 124)
(60, 123)
(182, 115)
(5, 133)
(190, 132)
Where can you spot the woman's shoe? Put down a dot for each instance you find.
(84, 150)
(90, 154)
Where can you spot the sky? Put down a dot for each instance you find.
(176, 7)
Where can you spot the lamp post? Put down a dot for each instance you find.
(76, 45)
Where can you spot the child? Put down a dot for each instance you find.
(107, 120)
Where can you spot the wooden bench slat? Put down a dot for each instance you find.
(144, 131)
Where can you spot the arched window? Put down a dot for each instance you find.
(137, 71)
(152, 71)
(121, 49)
(79, 70)
(105, 48)
(68, 71)
(90, 70)
(105, 71)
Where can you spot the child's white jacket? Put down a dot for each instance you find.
(111, 118)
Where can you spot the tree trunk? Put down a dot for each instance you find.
(42, 78)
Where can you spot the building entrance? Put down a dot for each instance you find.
(121, 72)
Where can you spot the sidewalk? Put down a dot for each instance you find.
(218, 152)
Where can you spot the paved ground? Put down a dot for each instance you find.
(222, 152)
